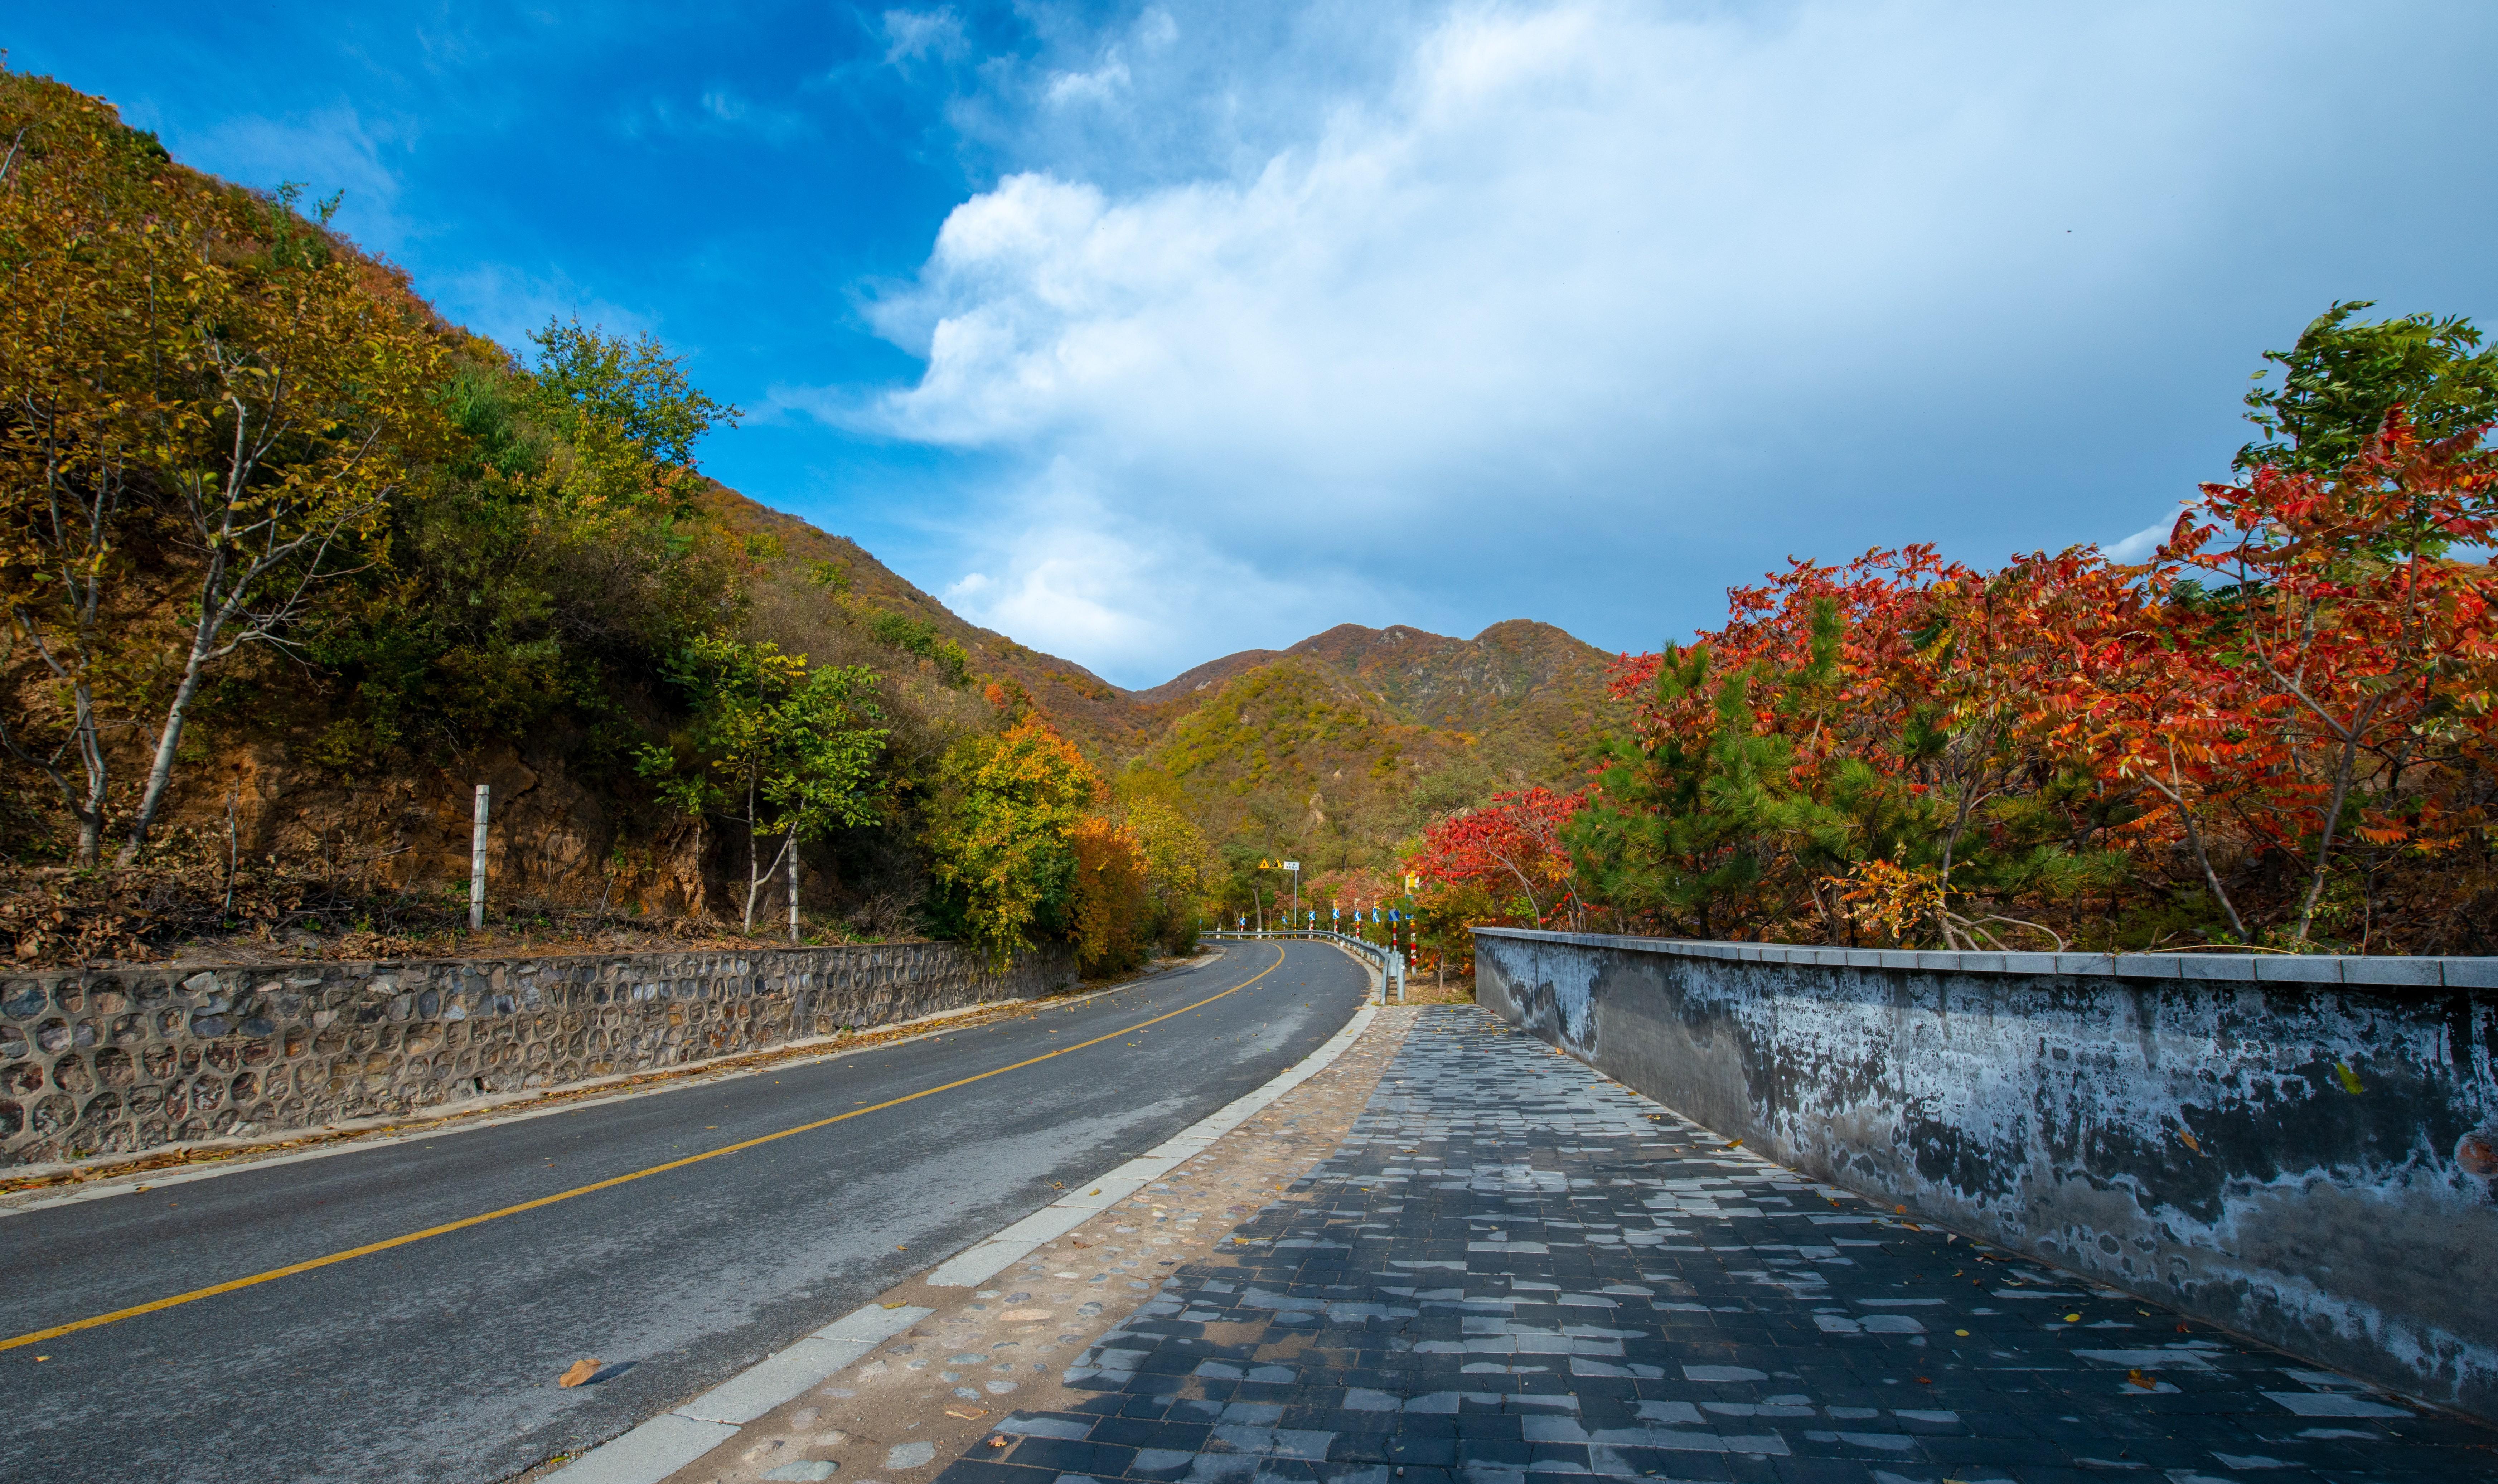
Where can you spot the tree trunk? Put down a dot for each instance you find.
(758, 874)
(2194, 838)
(2211, 877)
(233, 844)
(2332, 820)
(90, 747)
(792, 848)
(92, 818)
(87, 809)
(702, 870)
(160, 773)
(753, 877)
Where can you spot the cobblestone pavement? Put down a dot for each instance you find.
(1514, 1269)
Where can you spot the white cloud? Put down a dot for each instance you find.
(2142, 543)
(333, 151)
(1684, 276)
(1068, 577)
(779, 126)
(1558, 216)
(1102, 83)
(914, 34)
(504, 304)
(715, 112)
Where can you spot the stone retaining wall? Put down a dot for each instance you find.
(2301, 1149)
(112, 1061)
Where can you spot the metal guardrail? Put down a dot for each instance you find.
(1390, 962)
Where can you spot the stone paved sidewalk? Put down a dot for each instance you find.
(1514, 1269)
(916, 1401)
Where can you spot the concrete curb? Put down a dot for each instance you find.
(977, 1264)
(668, 1442)
(671, 1441)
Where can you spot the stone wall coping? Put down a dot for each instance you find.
(728, 960)
(2382, 972)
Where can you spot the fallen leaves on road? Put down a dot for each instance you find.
(582, 1371)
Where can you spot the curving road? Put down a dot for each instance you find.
(435, 1360)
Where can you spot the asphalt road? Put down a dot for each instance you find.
(437, 1360)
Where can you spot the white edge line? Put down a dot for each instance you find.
(692, 1074)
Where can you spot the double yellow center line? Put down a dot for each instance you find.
(464, 1222)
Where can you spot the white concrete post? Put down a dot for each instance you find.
(477, 860)
(794, 887)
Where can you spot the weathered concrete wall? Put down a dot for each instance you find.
(2302, 1150)
(96, 1063)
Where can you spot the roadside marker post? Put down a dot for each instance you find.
(793, 886)
(477, 860)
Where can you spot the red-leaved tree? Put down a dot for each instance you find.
(1510, 848)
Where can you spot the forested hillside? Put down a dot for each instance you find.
(1339, 752)
(289, 564)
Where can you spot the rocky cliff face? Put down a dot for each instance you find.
(553, 838)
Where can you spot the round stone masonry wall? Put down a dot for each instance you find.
(114, 1061)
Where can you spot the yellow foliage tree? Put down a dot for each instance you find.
(1000, 833)
(194, 368)
(1180, 863)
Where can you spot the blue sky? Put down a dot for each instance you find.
(1146, 332)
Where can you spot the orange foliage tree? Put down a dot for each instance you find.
(1113, 911)
(2288, 700)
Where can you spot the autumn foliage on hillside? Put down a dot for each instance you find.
(2277, 731)
(264, 511)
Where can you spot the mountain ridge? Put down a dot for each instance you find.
(1337, 748)
(1518, 670)
(1400, 654)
